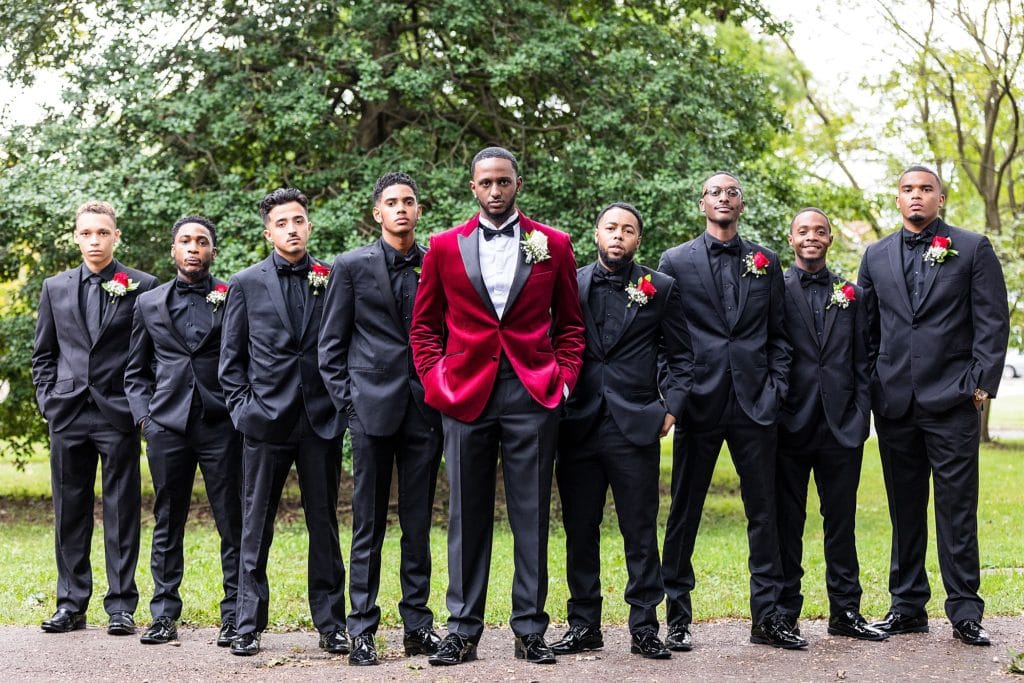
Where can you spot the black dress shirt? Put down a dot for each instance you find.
(607, 301)
(190, 313)
(294, 280)
(724, 258)
(817, 291)
(914, 248)
(402, 271)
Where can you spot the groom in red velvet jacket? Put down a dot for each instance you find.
(497, 339)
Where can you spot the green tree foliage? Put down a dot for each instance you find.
(176, 107)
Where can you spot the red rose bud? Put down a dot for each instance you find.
(220, 288)
(940, 242)
(760, 260)
(321, 270)
(121, 278)
(849, 292)
(647, 287)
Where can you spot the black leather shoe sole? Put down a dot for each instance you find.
(761, 640)
(120, 628)
(676, 646)
(536, 659)
(971, 641)
(902, 629)
(664, 654)
(64, 626)
(576, 649)
(468, 657)
(874, 635)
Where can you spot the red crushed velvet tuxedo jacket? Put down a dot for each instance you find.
(457, 339)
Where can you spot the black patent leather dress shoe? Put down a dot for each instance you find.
(774, 632)
(852, 625)
(161, 631)
(335, 642)
(246, 644)
(647, 644)
(364, 651)
(63, 621)
(579, 638)
(678, 639)
(533, 649)
(896, 623)
(791, 624)
(971, 632)
(121, 624)
(226, 635)
(454, 649)
(422, 641)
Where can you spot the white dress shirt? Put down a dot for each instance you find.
(499, 257)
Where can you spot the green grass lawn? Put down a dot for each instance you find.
(28, 574)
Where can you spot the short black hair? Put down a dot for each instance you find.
(918, 168)
(493, 153)
(282, 195)
(201, 220)
(394, 178)
(625, 207)
(712, 175)
(811, 209)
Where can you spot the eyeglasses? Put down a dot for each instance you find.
(730, 192)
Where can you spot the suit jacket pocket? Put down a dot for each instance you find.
(64, 386)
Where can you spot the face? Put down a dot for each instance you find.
(810, 236)
(919, 198)
(617, 236)
(723, 209)
(288, 227)
(397, 210)
(96, 235)
(193, 251)
(495, 185)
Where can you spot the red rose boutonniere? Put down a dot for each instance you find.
(120, 285)
(318, 277)
(939, 250)
(640, 293)
(842, 295)
(757, 264)
(218, 296)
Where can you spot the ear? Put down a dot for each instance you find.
(266, 234)
(377, 216)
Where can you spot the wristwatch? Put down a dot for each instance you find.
(980, 395)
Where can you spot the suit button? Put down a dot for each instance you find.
(914, 326)
(732, 338)
(494, 358)
(728, 371)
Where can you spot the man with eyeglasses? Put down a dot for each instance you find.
(733, 300)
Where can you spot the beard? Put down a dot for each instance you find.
(615, 264)
(917, 218)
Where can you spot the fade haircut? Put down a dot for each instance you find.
(394, 178)
(918, 168)
(493, 153)
(97, 206)
(704, 184)
(282, 195)
(625, 207)
(200, 220)
(811, 209)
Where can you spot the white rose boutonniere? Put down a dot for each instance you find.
(535, 247)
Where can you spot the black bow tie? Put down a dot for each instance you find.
(725, 248)
(606, 278)
(297, 271)
(819, 278)
(491, 233)
(200, 289)
(410, 261)
(912, 240)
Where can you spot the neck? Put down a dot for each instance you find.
(917, 228)
(498, 220)
(809, 265)
(721, 232)
(400, 243)
(96, 269)
(614, 267)
(193, 278)
(291, 258)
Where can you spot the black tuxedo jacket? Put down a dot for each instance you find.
(835, 372)
(755, 352)
(364, 348)
(954, 343)
(163, 371)
(267, 373)
(66, 366)
(625, 374)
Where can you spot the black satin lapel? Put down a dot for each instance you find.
(635, 273)
(831, 312)
(931, 272)
(163, 310)
(896, 265)
(702, 260)
(377, 264)
(313, 300)
(523, 270)
(470, 252)
(273, 286)
(792, 281)
(584, 279)
(218, 314)
(71, 296)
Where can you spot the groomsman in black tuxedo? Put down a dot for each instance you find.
(81, 347)
(939, 324)
(732, 301)
(609, 435)
(277, 400)
(823, 424)
(367, 367)
(176, 399)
